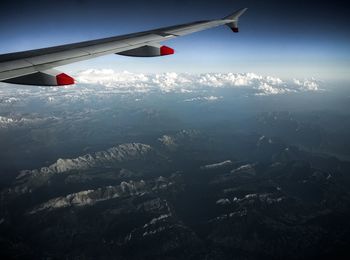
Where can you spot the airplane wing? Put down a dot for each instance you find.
(35, 67)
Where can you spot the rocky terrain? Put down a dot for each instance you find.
(174, 166)
(178, 199)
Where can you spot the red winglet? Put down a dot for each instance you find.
(235, 29)
(64, 79)
(165, 50)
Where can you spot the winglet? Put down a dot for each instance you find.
(233, 23)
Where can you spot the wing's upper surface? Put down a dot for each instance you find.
(17, 65)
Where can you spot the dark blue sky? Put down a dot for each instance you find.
(282, 38)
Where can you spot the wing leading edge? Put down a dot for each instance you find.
(34, 67)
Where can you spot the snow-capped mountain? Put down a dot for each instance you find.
(123, 152)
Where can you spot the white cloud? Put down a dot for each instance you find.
(105, 83)
(10, 100)
(6, 121)
(19, 121)
(307, 84)
(187, 83)
(209, 98)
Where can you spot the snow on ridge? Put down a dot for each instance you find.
(91, 197)
(173, 141)
(168, 141)
(223, 201)
(118, 153)
(217, 165)
(155, 220)
(246, 168)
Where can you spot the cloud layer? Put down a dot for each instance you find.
(95, 88)
(186, 83)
